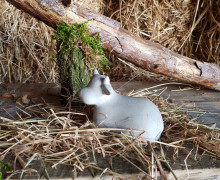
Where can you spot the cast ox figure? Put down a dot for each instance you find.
(113, 110)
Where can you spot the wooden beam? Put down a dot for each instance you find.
(204, 174)
(145, 54)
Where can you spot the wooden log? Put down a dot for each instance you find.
(145, 54)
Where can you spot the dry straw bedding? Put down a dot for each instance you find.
(64, 136)
(190, 28)
(67, 136)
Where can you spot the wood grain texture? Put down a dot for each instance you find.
(193, 174)
(207, 101)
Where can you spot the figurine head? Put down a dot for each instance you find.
(97, 91)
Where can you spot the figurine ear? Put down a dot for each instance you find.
(95, 72)
(106, 86)
(106, 80)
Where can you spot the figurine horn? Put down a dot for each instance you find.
(95, 72)
(106, 80)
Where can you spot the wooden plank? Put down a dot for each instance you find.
(196, 174)
(179, 92)
(192, 174)
(174, 90)
(207, 101)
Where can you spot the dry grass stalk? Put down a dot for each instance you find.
(187, 27)
(25, 46)
(95, 5)
(64, 137)
(158, 162)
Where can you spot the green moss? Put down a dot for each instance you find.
(4, 167)
(78, 35)
(78, 71)
(77, 54)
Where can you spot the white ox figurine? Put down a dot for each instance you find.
(113, 110)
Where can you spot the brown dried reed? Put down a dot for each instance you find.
(25, 53)
(24, 47)
(191, 28)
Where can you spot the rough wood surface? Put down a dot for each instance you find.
(194, 174)
(144, 54)
(203, 103)
(207, 101)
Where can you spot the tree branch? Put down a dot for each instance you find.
(145, 54)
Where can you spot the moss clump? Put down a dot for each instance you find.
(78, 35)
(4, 167)
(77, 53)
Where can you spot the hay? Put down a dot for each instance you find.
(68, 137)
(95, 5)
(24, 43)
(25, 54)
(188, 27)
(65, 137)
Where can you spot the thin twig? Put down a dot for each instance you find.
(158, 162)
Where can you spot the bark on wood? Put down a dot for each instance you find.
(142, 53)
